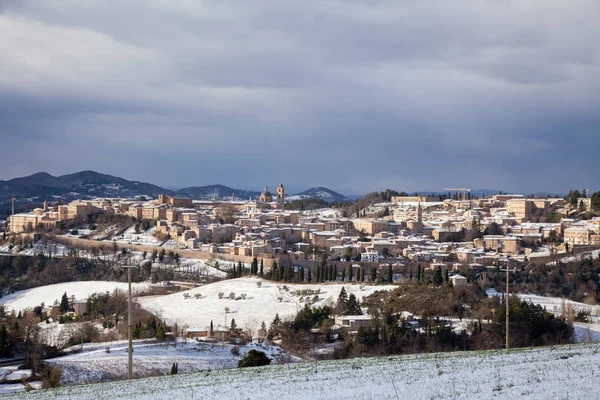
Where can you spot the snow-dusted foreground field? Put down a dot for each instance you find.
(95, 364)
(261, 303)
(567, 372)
(48, 294)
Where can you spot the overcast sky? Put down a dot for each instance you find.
(353, 95)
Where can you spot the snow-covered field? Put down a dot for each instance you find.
(261, 303)
(48, 294)
(130, 237)
(554, 304)
(560, 372)
(95, 364)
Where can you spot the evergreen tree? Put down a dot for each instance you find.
(373, 274)
(160, 332)
(211, 328)
(254, 358)
(309, 275)
(64, 303)
(410, 276)
(274, 272)
(350, 273)
(419, 273)
(233, 327)
(174, 369)
(263, 328)
(438, 279)
(240, 269)
(343, 274)
(302, 274)
(318, 274)
(233, 271)
(342, 301)
(262, 264)
(446, 275)
(390, 274)
(352, 306)
(4, 350)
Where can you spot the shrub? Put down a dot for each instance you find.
(254, 358)
(235, 350)
(51, 377)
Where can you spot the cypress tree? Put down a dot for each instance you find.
(373, 274)
(174, 369)
(318, 274)
(64, 303)
(390, 274)
(302, 275)
(261, 266)
(446, 275)
(438, 279)
(4, 352)
(410, 276)
(309, 276)
(350, 274)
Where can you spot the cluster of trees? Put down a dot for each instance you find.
(24, 272)
(573, 197)
(21, 336)
(577, 280)
(347, 305)
(330, 273)
(307, 204)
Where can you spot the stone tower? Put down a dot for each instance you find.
(280, 195)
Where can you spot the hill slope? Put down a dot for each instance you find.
(81, 185)
(564, 372)
(322, 193)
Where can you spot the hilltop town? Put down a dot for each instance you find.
(444, 230)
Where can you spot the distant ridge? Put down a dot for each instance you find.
(322, 193)
(91, 184)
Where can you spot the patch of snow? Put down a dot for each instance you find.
(261, 303)
(30, 298)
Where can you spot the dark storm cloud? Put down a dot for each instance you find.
(353, 95)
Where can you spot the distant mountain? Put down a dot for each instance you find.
(219, 192)
(90, 184)
(81, 185)
(318, 193)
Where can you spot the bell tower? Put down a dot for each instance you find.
(280, 195)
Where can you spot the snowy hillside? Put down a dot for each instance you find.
(48, 294)
(261, 303)
(95, 364)
(318, 193)
(559, 372)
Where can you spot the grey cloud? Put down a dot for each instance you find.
(353, 95)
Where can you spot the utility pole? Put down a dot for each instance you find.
(507, 308)
(129, 326)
